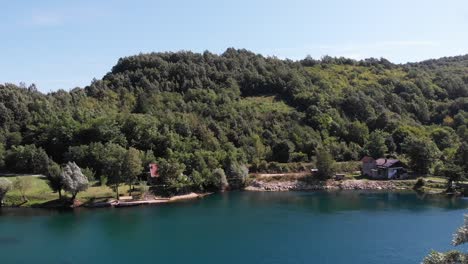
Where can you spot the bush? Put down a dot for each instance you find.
(143, 188)
(237, 174)
(27, 159)
(23, 184)
(220, 180)
(419, 184)
(325, 164)
(89, 173)
(103, 180)
(299, 157)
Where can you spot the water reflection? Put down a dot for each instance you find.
(320, 201)
(332, 202)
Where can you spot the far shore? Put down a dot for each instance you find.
(293, 182)
(299, 185)
(97, 196)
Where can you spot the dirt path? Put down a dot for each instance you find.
(288, 174)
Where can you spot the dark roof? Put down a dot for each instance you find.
(387, 163)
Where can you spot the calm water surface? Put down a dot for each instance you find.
(239, 227)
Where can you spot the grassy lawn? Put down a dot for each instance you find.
(39, 192)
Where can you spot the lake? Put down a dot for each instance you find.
(239, 227)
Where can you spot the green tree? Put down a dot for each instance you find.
(172, 175)
(220, 180)
(453, 173)
(444, 138)
(376, 146)
(2, 155)
(461, 156)
(131, 166)
(236, 173)
(23, 184)
(112, 166)
(357, 132)
(89, 173)
(283, 150)
(27, 159)
(452, 257)
(325, 164)
(422, 153)
(54, 179)
(5, 187)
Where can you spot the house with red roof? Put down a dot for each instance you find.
(383, 168)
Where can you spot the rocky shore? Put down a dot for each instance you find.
(298, 185)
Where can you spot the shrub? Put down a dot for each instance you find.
(220, 180)
(103, 180)
(5, 186)
(23, 184)
(419, 184)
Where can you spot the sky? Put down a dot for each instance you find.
(65, 44)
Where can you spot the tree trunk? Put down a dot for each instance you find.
(73, 197)
(117, 191)
(449, 185)
(60, 194)
(130, 189)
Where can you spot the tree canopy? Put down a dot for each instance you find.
(199, 109)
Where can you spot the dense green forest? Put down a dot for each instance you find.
(195, 114)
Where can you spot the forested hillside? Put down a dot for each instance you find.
(195, 113)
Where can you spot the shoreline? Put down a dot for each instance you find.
(64, 204)
(263, 184)
(329, 185)
(182, 197)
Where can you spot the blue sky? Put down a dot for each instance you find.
(65, 44)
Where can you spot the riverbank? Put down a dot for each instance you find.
(303, 185)
(39, 195)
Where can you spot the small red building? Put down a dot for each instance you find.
(153, 169)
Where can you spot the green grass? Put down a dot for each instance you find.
(39, 192)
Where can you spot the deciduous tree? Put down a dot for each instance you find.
(5, 186)
(325, 164)
(132, 166)
(54, 178)
(74, 181)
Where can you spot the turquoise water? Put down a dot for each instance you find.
(239, 227)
